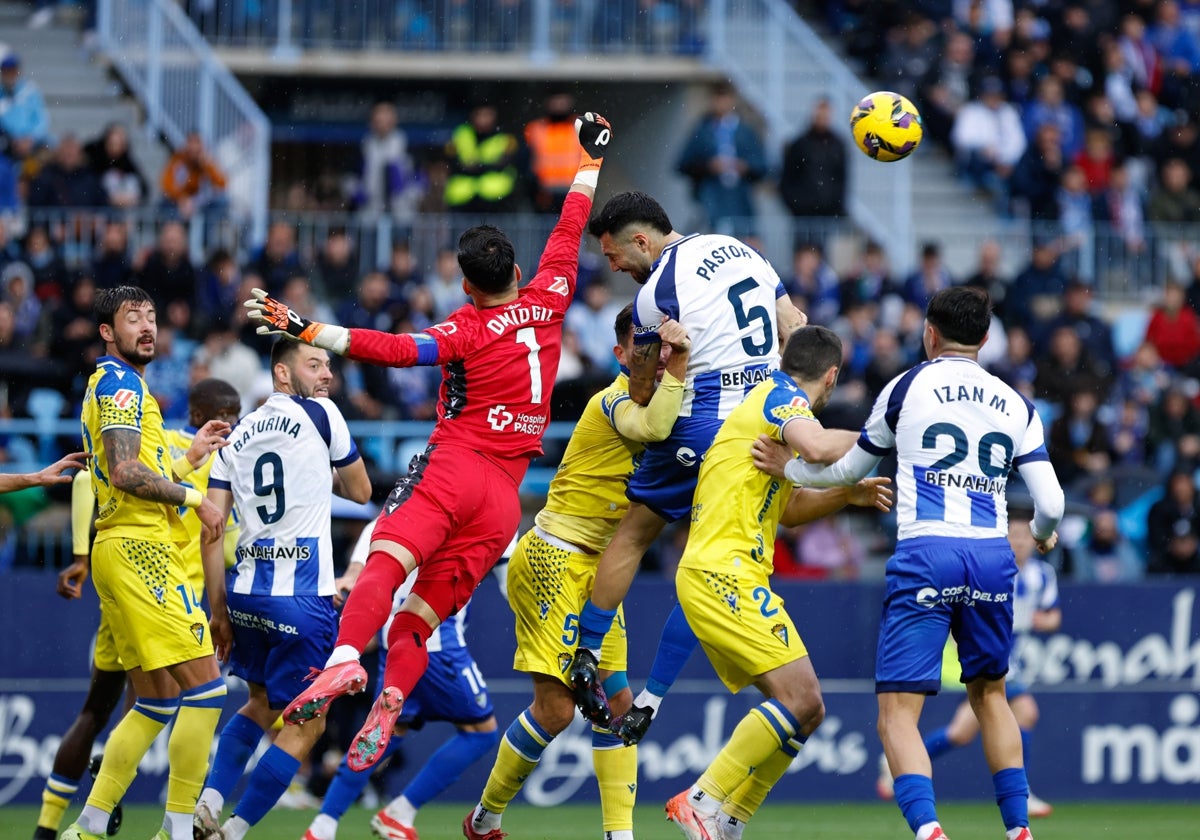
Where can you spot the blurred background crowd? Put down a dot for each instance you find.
(1064, 116)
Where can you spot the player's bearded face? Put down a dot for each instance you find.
(311, 376)
(625, 253)
(135, 332)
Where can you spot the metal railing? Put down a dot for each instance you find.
(783, 67)
(171, 69)
(1122, 268)
(537, 29)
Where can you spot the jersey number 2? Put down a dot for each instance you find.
(528, 337)
(746, 318)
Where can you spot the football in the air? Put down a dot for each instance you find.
(886, 126)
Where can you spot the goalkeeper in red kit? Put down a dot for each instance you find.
(458, 507)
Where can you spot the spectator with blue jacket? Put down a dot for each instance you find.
(23, 114)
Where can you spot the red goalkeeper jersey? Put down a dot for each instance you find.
(500, 362)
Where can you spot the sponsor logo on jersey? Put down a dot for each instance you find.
(780, 632)
(784, 413)
(686, 456)
(446, 328)
(499, 418)
(198, 632)
(928, 597)
(125, 398)
(543, 609)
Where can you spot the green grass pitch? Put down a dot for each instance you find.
(873, 821)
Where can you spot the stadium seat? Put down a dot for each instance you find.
(45, 406)
(1129, 330)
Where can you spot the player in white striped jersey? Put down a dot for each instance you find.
(735, 310)
(957, 432)
(279, 593)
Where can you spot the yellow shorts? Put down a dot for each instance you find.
(740, 622)
(105, 656)
(547, 587)
(151, 608)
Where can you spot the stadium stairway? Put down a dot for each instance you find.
(81, 95)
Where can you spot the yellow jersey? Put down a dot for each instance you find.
(117, 398)
(178, 441)
(586, 498)
(737, 507)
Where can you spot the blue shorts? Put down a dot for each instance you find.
(940, 585)
(451, 690)
(665, 477)
(276, 639)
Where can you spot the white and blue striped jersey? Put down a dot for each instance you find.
(957, 431)
(723, 292)
(277, 465)
(1035, 590)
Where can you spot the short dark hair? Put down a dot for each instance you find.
(109, 301)
(209, 396)
(629, 208)
(811, 351)
(623, 326)
(282, 351)
(962, 314)
(486, 258)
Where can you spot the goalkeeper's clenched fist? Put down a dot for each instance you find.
(594, 133)
(276, 318)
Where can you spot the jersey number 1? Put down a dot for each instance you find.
(528, 337)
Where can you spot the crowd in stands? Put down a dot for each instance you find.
(1119, 391)
(1082, 114)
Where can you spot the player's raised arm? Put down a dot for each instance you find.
(654, 421)
(594, 133)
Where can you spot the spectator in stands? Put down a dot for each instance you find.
(887, 360)
(483, 165)
(1173, 436)
(1106, 555)
(402, 269)
(72, 335)
(1174, 200)
(111, 266)
(444, 283)
(224, 357)
(723, 159)
(591, 317)
(66, 181)
(1017, 367)
(1096, 159)
(388, 182)
(909, 54)
(193, 182)
(218, 286)
(1051, 107)
(278, 259)
(166, 271)
(1128, 433)
(1076, 224)
(1035, 296)
(108, 157)
(816, 282)
(1144, 377)
(1141, 58)
(1035, 179)
(1066, 368)
(1173, 527)
(989, 277)
(1077, 313)
(1118, 81)
(871, 280)
(813, 179)
(825, 549)
(947, 86)
(989, 23)
(1179, 53)
(988, 140)
(553, 152)
(1180, 139)
(50, 277)
(1078, 441)
(1174, 327)
(335, 274)
(375, 307)
(930, 277)
(170, 377)
(1120, 205)
(23, 115)
(17, 290)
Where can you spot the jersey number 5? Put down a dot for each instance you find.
(746, 318)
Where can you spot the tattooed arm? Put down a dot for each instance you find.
(643, 371)
(131, 475)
